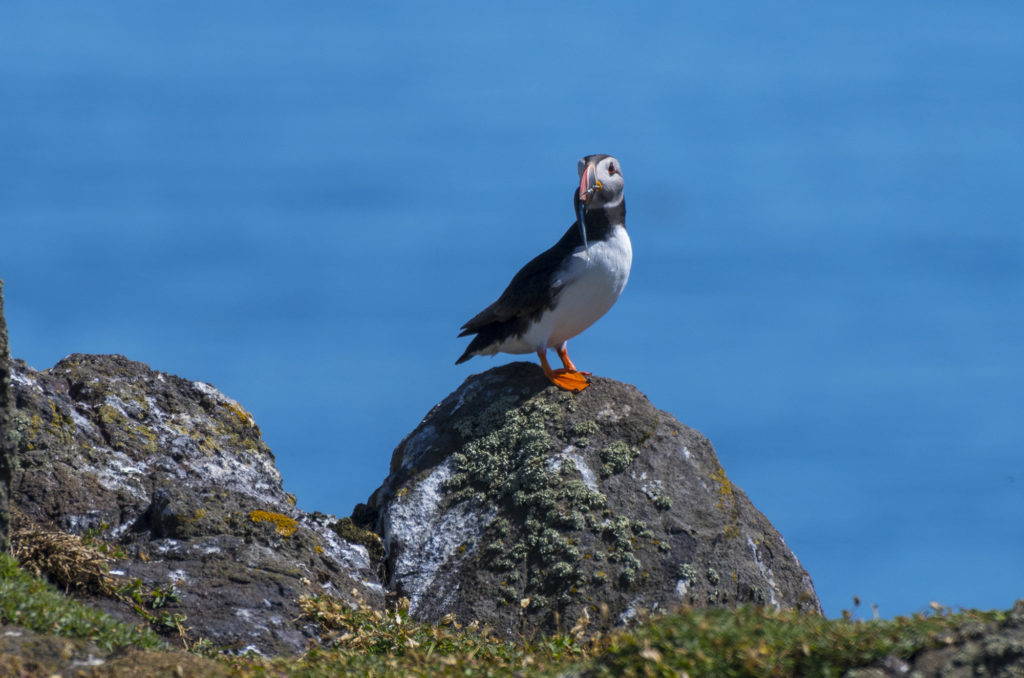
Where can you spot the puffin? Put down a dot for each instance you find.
(566, 289)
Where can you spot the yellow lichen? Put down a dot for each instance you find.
(240, 412)
(726, 496)
(149, 444)
(284, 525)
(37, 424)
(109, 415)
(724, 487)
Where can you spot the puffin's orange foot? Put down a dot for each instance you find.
(569, 380)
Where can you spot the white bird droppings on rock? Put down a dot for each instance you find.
(430, 535)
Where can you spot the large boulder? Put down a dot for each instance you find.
(523, 507)
(176, 475)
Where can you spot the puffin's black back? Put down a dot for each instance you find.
(529, 294)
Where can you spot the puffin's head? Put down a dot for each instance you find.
(600, 181)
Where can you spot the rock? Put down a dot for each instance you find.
(177, 476)
(995, 648)
(523, 507)
(5, 446)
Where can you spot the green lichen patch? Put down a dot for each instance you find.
(581, 432)
(616, 457)
(687, 573)
(661, 501)
(539, 544)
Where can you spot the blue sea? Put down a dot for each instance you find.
(301, 204)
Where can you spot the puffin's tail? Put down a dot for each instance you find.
(480, 343)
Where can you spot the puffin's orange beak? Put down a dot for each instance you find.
(589, 183)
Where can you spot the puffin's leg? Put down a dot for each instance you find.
(567, 379)
(563, 353)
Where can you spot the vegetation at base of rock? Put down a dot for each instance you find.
(30, 602)
(83, 564)
(758, 641)
(284, 525)
(747, 641)
(369, 642)
(65, 559)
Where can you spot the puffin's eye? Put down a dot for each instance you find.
(612, 169)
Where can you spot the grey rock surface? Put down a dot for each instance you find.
(177, 475)
(526, 507)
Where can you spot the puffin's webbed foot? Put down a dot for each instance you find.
(569, 380)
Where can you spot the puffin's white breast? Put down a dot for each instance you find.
(584, 289)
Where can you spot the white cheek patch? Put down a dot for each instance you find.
(613, 203)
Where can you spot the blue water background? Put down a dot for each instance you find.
(301, 203)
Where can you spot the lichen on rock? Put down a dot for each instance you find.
(284, 525)
(511, 490)
(177, 476)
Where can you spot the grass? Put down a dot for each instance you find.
(32, 603)
(372, 643)
(747, 641)
(754, 641)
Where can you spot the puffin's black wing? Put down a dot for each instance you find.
(523, 301)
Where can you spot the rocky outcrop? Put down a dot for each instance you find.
(513, 503)
(995, 648)
(5, 447)
(526, 507)
(176, 475)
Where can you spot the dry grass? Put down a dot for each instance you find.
(62, 558)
